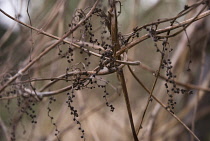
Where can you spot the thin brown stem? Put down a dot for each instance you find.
(165, 107)
(169, 28)
(184, 27)
(182, 13)
(4, 129)
(116, 46)
(186, 85)
(20, 72)
(150, 96)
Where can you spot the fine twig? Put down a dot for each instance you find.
(69, 41)
(165, 107)
(186, 85)
(150, 96)
(184, 27)
(20, 72)
(182, 13)
(4, 129)
(169, 28)
(185, 112)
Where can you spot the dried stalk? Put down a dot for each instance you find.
(116, 47)
(164, 107)
(169, 28)
(20, 72)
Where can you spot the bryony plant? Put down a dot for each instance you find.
(90, 51)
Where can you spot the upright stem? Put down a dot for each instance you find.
(116, 47)
(125, 92)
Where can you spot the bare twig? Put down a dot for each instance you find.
(4, 129)
(184, 27)
(172, 114)
(169, 28)
(65, 40)
(76, 44)
(20, 72)
(182, 13)
(150, 96)
(188, 108)
(186, 85)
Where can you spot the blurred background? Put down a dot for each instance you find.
(18, 45)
